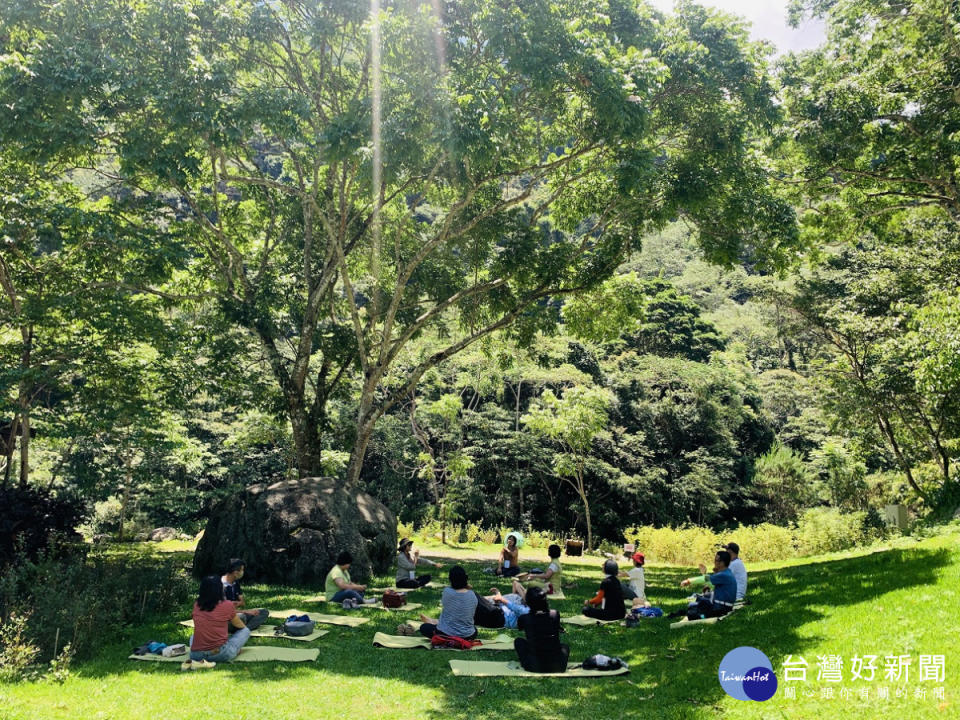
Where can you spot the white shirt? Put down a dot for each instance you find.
(739, 571)
(637, 583)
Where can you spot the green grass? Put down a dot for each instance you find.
(899, 601)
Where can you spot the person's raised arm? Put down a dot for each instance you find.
(237, 622)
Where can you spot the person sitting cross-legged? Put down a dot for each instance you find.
(541, 650)
(407, 562)
(211, 614)
(549, 578)
(720, 601)
(607, 604)
(738, 569)
(338, 585)
(252, 617)
(459, 603)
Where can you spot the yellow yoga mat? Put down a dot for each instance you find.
(500, 642)
(365, 606)
(512, 668)
(347, 620)
(586, 621)
(705, 621)
(258, 653)
(269, 631)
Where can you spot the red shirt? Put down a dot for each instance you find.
(210, 627)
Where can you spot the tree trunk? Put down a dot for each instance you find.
(24, 449)
(359, 451)
(8, 451)
(25, 390)
(306, 440)
(586, 507)
(125, 499)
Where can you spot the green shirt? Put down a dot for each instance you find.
(337, 573)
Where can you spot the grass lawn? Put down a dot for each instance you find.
(900, 601)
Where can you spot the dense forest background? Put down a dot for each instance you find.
(770, 324)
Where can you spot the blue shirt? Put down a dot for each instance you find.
(456, 618)
(724, 586)
(511, 613)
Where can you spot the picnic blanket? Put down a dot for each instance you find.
(557, 595)
(270, 631)
(704, 621)
(587, 621)
(348, 620)
(259, 653)
(512, 668)
(500, 642)
(365, 606)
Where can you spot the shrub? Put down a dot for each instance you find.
(472, 532)
(33, 519)
(824, 530)
(404, 530)
(17, 653)
(84, 601)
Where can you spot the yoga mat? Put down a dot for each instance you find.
(500, 642)
(587, 621)
(321, 618)
(558, 595)
(268, 631)
(365, 606)
(260, 653)
(430, 584)
(704, 621)
(512, 668)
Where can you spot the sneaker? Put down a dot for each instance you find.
(202, 665)
(188, 665)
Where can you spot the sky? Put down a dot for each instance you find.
(769, 22)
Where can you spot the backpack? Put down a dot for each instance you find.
(394, 599)
(602, 662)
(451, 642)
(298, 626)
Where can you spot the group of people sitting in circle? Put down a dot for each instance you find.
(222, 623)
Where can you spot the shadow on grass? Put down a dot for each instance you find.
(673, 672)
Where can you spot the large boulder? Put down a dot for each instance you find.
(163, 533)
(292, 531)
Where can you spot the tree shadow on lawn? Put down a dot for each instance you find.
(673, 672)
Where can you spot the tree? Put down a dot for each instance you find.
(877, 308)
(443, 457)
(874, 112)
(572, 421)
(65, 264)
(347, 180)
(650, 316)
(784, 481)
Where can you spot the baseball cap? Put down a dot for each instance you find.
(732, 547)
(638, 557)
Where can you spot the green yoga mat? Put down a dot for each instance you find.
(269, 631)
(512, 668)
(500, 642)
(586, 621)
(346, 620)
(260, 653)
(365, 606)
